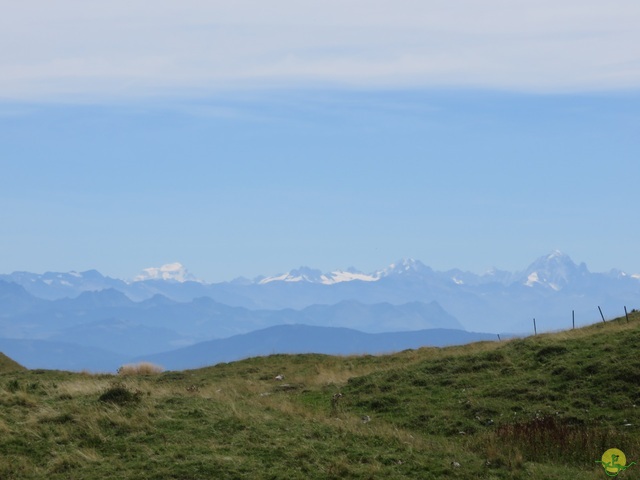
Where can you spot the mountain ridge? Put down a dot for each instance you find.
(177, 273)
(549, 289)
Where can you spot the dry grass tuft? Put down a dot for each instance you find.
(142, 368)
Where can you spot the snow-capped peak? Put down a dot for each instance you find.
(306, 274)
(555, 271)
(302, 274)
(348, 275)
(403, 267)
(175, 272)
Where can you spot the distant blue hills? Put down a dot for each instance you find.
(308, 339)
(101, 330)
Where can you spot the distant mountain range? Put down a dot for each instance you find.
(100, 331)
(548, 289)
(108, 319)
(166, 308)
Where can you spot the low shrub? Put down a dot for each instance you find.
(119, 394)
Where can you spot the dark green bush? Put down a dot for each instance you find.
(119, 394)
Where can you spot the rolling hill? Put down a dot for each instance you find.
(308, 339)
(541, 407)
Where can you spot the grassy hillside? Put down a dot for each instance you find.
(9, 365)
(543, 407)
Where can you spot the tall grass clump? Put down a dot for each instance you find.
(557, 440)
(142, 368)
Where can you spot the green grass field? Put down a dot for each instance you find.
(543, 407)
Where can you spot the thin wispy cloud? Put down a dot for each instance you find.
(74, 49)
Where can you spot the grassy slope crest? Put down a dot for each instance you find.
(9, 365)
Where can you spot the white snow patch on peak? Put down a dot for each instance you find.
(304, 274)
(636, 275)
(279, 278)
(402, 266)
(175, 272)
(339, 276)
(532, 279)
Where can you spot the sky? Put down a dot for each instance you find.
(246, 138)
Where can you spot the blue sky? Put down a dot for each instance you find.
(241, 141)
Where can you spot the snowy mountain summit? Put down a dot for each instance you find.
(402, 267)
(175, 272)
(555, 271)
(306, 274)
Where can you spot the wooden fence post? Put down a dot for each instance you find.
(573, 319)
(535, 330)
(626, 314)
(603, 321)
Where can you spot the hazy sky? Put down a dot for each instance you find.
(246, 137)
